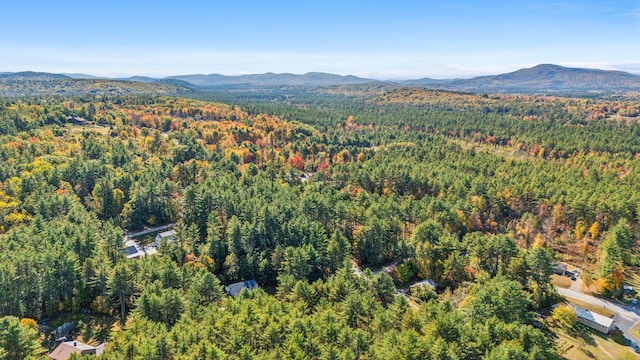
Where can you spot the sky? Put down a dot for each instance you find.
(377, 39)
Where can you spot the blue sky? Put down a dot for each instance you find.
(399, 39)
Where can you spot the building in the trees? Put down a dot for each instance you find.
(560, 269)
(133, 250)
(593, 320)
(427, 282)
(62, 331)
(234, 289)
(67, 348)
(167, 235)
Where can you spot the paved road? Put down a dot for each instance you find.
(625, 316)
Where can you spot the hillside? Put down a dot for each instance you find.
(17, 86)
(540, 79)
(543, 78)
(31, 75)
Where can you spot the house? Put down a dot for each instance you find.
(133, 250)
(65, 349)
(560, 269)
(306, 176)
(76, 120)
(427, 282)
(593, 320)
(235, 289)
(167, 235)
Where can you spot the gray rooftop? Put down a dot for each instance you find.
(592, 316)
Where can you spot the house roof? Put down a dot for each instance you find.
(65, 349)
(235, 288)
(133, 250)
(166, 234)
(62, 331)
(426, 282)
(594, 317)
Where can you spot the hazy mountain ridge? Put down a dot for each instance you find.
(68, 86)
(32, 75)
(82, 76)
(551, 78)
(544, 78)
(272, 79)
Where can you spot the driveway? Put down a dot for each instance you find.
(148, 231)
(625, 316)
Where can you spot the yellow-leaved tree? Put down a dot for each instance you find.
(594, 230)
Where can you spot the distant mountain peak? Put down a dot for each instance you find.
(32, 75)
(549, 66)
(543, 79)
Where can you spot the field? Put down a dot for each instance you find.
(561, 281)
(102, 130)
(585, 344)
(635, 331)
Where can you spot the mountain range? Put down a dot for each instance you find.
(544, 78)
(271, 79)
(541, 79)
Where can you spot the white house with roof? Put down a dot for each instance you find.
(593, 320)
(428, 282)
(67, 348)
(166, 235)
(235, 288)
(560, 269)
(134, 249)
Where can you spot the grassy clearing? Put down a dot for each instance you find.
(615, 350)
(585, 344)
(635, 331)
(502, 151)
(597, 309)
(74, 129)
(561, 281)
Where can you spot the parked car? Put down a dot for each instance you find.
(634, 302)
(538, 325)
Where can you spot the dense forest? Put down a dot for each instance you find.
(311, 192)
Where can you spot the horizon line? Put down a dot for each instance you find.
(377, 77)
